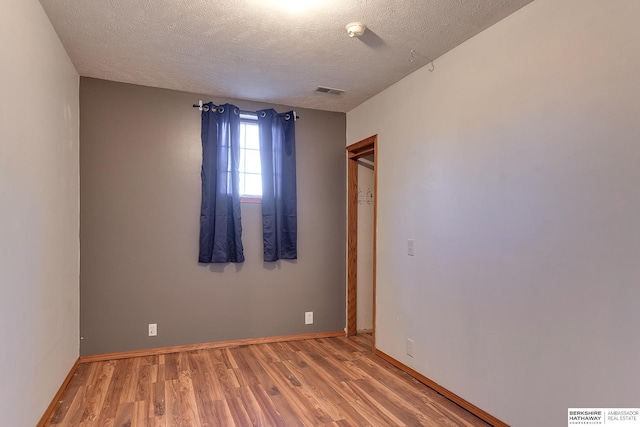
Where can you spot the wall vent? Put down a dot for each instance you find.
(329, 90)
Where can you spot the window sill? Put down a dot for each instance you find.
(248, 199)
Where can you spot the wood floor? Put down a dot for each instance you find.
(319, 382)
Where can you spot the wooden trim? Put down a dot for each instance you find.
(49, 411)
(375, 236)
(207, 346)
(354, 152)
(362, 153)
(485, 416)
(352, 248)
(362, 145)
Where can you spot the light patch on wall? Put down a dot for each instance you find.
(295, 7)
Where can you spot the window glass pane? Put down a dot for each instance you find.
(250, 178)
(242, 184)
(253, 185)
(243, 160)
(252, 162)
(251, 132)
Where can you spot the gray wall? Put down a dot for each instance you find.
(39, 212)
(140, 160)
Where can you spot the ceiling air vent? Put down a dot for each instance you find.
(329, 90)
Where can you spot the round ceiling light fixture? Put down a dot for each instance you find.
(355, 29)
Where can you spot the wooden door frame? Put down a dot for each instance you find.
(354, 152)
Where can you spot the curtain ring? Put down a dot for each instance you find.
(236, 111)
(263, 114)
(220, 110)
(287, 116)
(205, 108)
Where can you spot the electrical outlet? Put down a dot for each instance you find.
(410, 347)
(411, 247)
(153, 329)
(308, 318)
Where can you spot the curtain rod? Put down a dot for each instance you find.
(200, 105)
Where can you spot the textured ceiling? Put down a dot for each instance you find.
(276, 51)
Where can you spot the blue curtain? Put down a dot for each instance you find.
(279, 200)
(220, 228)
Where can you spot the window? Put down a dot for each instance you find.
(250, 169)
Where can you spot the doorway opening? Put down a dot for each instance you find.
(359, 152)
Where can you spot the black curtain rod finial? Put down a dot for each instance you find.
(199, 106)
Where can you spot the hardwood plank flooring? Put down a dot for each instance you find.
(317, 382)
